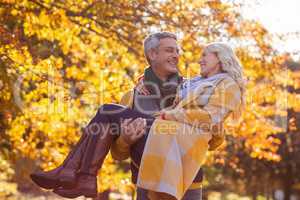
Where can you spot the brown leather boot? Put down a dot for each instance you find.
(93, 159)
(65, 174)
(86, 186)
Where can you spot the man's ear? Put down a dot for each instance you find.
(152, 54)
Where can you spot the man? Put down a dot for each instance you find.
(161, 80)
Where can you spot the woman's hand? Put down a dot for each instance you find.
(163, 114)
(157, 114)
(168, 116)
(176, 101)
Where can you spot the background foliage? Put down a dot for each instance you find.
(60, 60)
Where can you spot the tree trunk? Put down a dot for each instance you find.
(287, 189)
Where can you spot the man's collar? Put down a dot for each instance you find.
(149, 75)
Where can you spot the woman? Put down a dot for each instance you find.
(199, 103)
(175, 147)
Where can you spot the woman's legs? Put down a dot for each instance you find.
(98, 147)
(112, 114)
(65, 174)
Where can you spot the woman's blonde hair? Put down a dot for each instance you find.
(231, 65)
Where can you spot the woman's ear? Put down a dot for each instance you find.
(220, 66)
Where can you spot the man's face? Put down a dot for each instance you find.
(165, 57)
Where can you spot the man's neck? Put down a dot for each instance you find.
(163, 77)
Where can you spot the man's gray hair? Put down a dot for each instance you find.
(152, 41)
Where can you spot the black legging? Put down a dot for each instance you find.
(114, 113)
(111, 114)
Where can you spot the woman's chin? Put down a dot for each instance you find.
(203, 74)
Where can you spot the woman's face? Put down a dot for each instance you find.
(210, 63)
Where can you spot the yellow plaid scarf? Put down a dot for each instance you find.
(175, 151)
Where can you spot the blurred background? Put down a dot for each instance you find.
(61, 59)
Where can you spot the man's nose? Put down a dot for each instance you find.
(176, 54)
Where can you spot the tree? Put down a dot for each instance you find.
(260, 176)
(61, 59)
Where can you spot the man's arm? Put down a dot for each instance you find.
(120, 149)
(131, 131)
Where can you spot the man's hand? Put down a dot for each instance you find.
(132, 130)
(141, 88)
